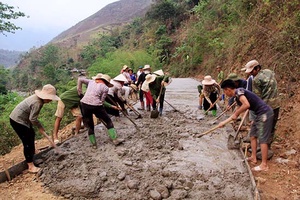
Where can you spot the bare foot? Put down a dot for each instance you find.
(34, 170)
(251, 160)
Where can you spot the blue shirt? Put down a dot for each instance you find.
(257, 105)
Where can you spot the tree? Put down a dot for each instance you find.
(6, 14)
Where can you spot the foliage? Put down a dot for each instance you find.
(7, 14)
(3, 80)
(114, 61)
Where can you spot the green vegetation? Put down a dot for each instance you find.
(182, 37)
(7, 13)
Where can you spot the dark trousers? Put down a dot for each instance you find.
(113, 101)
(213, 97)
(27, 136)
(161, 102)
(141, 95)
(275, 119)
(99, 112)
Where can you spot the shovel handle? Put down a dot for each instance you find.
(211, 130)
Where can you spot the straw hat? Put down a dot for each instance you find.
(106, 79)
(48, 92)
(146, 67)
(121, 78)
(233, 76)
(150, 78)
(98, 76)
(159, 72)
(250, 65)
(125, 67)
(134, 87)
(208, 81)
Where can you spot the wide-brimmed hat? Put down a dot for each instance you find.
(146, 67)
(150, 78)
(250, 65)
(208, 81)
(125, 67)
(233, 76)
(98, 76)
(106, 79)
(47, 92)
(159, 72)
(120, 78)
(134, 87)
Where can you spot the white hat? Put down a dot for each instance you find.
(125, 67)
(106, 79)
(48, 92)
(159, 72)
(150, 78)
(208, 81)
(98, 76)
(146, 67)
(250, 65)
(121, 78)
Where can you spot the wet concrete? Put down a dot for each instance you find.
(163, 160)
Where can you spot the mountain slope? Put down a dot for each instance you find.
(104, 20)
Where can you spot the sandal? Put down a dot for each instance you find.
(259, 169)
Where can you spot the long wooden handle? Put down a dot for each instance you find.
(211, 130)
(241, 123)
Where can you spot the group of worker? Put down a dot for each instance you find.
(102, 96)
(258, 94)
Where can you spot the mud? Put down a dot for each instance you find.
(162, 160)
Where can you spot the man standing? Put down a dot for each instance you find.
(265, 86)
(262, 125)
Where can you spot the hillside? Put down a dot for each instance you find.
(102, 22)
(10, 58)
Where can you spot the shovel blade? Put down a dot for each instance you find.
(154, 114)
(232, 143)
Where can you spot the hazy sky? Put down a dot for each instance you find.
(46, 20)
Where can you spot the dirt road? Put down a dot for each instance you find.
(162, 159)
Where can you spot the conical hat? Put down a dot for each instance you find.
(121, 78)
(159, 72)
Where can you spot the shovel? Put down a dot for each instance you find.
(233, 143)
(135, 111)
(173, 107)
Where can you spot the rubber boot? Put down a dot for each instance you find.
(148, 108)
(142, 106)
(160, 111)
(214, 112)
(93, 141)
(112, 133)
